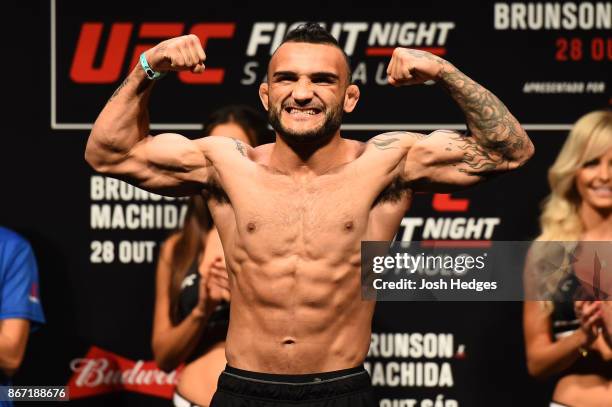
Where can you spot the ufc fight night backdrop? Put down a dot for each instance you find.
(96, 239)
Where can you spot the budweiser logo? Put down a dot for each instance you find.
(101, 372)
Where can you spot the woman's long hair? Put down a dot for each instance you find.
(590, 137)
(198, 221)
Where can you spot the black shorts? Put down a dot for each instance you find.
(241, 388)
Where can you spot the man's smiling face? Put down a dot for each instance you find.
(306, 91)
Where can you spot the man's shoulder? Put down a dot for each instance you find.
(262, 154)
(264, 148)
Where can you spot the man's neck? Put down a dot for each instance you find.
(302, 159)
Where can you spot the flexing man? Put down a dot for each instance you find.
(292, 214)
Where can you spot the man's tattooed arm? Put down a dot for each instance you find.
(143, 86)
(493, 127)
(124, 120)
(445, 160)
(477, 159)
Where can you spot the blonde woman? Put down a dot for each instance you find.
(565, 337)
(192, 294)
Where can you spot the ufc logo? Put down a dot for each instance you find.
(114, 55)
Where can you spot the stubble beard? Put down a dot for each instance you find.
(333, 120)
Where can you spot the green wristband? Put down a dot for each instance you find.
(151, 74)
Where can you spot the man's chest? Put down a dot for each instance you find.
(290, 207)
(336, 205)
(308, 221)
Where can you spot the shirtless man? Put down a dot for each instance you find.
(299, 208)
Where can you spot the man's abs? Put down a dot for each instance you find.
(307, 320)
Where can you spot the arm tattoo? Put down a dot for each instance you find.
(488, 119)
(426, 55)
(116, 92)
(144, 85)
(477, 158)
(384, 141)
(240, 147)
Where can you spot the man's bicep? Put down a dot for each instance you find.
(169, 164)
(389, 150)
(447, 160)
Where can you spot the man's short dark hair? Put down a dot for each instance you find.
(314, 33)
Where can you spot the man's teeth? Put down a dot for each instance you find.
(308, 111)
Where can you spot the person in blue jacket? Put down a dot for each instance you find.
(20, 307)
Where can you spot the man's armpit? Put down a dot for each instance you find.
(393, 193)
(214, 190)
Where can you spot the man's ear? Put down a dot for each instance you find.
(263, 94)
(351, 96)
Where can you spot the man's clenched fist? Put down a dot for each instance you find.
(183, 53)
(413, 67)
